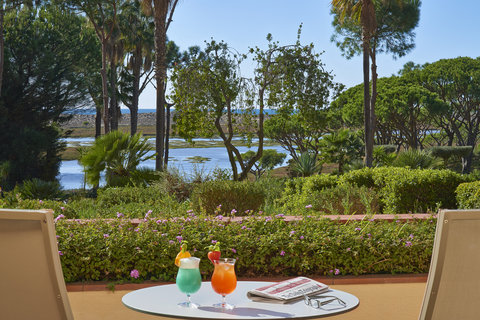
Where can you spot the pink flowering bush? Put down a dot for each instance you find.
(263, 246)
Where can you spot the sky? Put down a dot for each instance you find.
(446, 29)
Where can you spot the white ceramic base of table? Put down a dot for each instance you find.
(163, 300)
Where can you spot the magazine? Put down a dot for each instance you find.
(287, 291)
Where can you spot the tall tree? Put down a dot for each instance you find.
(209, 93)
(102, 15)
(44, 56)
(162, 12)
(5, 6)
(370, 27)
(457, 83)
(137, 29)
(292, 79)
(405, 111)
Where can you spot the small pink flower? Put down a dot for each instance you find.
(282, 253)
(40, 201)
(106, 235)
(408, 244)
(60, 253)
(358, 229)
(179, 238)
(60, 216)
(134, 273)
(308, 206)
(62, 208)
(119, 215)
(148, 214)
(233, 250)
(337, 272)
(302, 237)
(233, 211)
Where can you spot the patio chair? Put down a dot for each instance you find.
(453, 285)
(31, 278)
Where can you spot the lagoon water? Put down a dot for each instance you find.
(71, 174)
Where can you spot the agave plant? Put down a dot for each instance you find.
(306, 164)
(119, 154)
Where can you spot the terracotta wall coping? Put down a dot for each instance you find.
(339, 218)
(337, 280)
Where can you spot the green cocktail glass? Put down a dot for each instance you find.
(189, 280)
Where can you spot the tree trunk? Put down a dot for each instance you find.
(167, 134)
(161, 8)
(113, 99)
(373, 100)
(2, 44)
(133, 120)
(103, 72)
(137, 61)
(366, 105)
(260, 133)
(98, 123)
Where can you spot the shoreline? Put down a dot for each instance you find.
(88, 120)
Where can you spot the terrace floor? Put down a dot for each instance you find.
(390, 298)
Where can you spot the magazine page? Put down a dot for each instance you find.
(286, 291)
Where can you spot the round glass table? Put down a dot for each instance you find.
(163, 300)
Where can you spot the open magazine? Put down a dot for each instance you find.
(286, 291)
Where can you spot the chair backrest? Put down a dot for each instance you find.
(453, 285)
(31, 278)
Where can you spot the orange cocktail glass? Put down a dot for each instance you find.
(224, 280)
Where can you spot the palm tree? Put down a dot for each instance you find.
(137, 29)
(363, 11)
(115, 55)
(162, 13)
(119, 154)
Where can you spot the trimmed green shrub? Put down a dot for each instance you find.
(110, 250)
(39, 189)
(109, 197)
(135, 202)
(341, 199)
(229, 195)
(273, 188)
(299, 192)
(363, 177)
(408, 190)
(446, 152)
(468, 195)
(397, 190)
(314, 183)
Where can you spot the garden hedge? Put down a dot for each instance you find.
(468, 195)
(263, 246)
(393, 190)
(227, 195)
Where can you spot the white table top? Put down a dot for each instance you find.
(163, 300)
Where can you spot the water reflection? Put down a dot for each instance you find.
(71, 174)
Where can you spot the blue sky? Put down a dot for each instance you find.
(447, 29)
